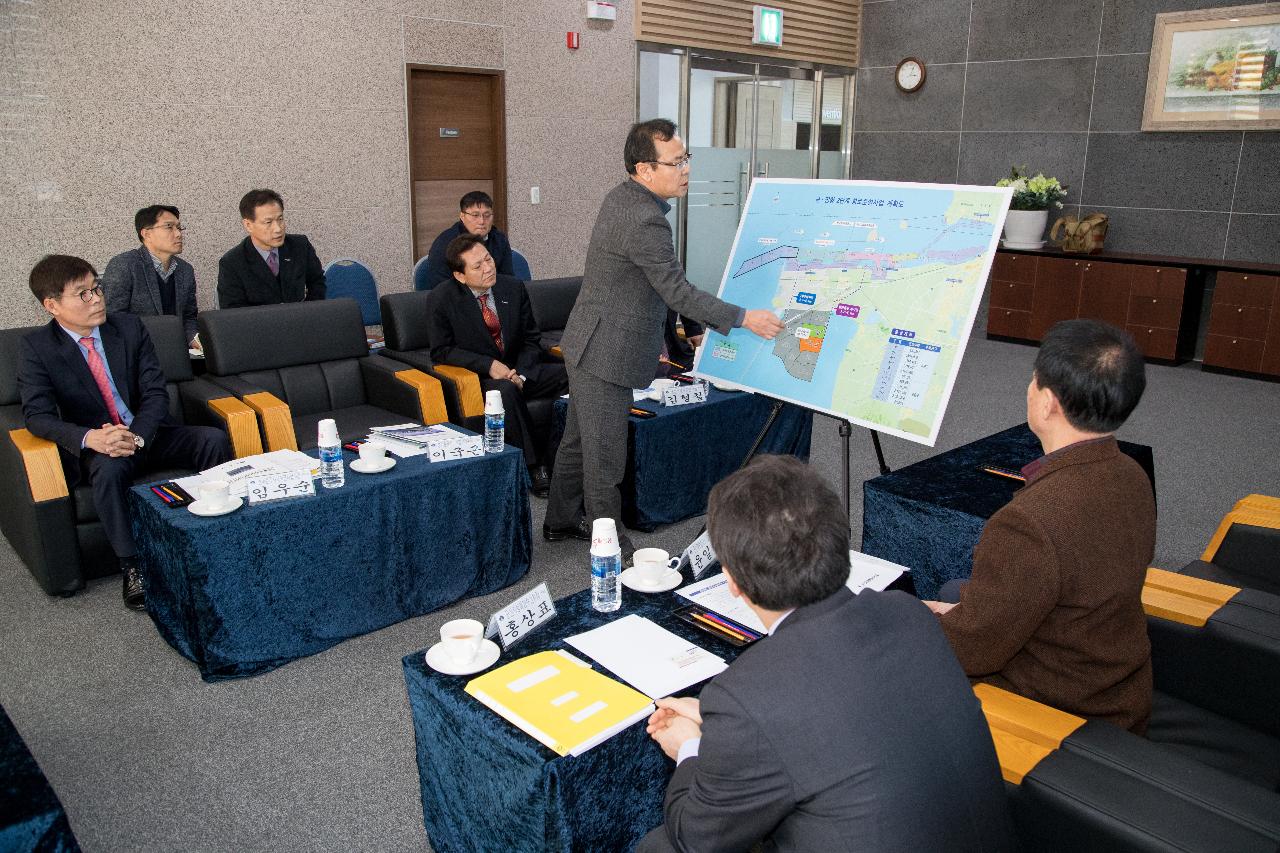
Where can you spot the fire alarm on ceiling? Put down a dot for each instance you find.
(598, 10)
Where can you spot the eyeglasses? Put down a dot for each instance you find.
(483, 215)
(682, 163)
(90, 293)
(168, 226)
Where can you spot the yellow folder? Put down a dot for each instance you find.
(567, 706)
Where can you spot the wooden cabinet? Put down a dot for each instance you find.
(1244, 324)
(1104, 293)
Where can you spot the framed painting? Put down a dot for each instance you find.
(1215, 69)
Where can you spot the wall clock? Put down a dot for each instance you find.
(909, 75)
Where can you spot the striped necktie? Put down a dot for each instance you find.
(490, 321)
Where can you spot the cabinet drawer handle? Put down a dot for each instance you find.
(1239, 310)
(1153, 302)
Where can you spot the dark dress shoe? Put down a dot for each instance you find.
(581, 530)
(541, 481)
(135, 598)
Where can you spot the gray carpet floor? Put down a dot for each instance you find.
(319, 754)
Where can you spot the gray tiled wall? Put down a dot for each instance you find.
(106, 107)
(1059, 87)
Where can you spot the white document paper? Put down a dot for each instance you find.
(713, 593)
(647, 656)
(867, 572)
(400, 448)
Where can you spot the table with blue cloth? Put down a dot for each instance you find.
(244, 593)
(486, 785)
(31, 817)
(929, 516)
(674, 459)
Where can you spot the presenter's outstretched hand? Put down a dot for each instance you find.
(764, 323)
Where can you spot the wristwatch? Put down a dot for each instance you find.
(139, 442)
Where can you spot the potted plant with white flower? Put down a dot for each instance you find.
(1028, 215)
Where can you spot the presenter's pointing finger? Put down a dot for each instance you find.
(764, 323)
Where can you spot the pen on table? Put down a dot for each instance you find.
(719, 627)
(162, 494)
(170, 491)
(750, 634)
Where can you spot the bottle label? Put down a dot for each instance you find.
(331, 454)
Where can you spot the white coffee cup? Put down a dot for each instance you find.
(215, 493)
(651, 565)
(461, 639)
(372, 454)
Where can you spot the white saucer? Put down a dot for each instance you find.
(203, 510)
(1039, 244)
(360, 468)
(669, 581)
(441, 662)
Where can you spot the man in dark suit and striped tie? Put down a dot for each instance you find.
(92, 384)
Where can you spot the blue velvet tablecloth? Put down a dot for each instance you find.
(673, 460)
(486, 785)
(244, 593)
(31, 817)
(929, 516)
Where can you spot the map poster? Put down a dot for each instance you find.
(878, 284)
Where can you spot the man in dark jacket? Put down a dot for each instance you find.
(475, 216)
(850, 727)
(269, 266)
(152, 279)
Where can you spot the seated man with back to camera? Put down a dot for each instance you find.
(483, 321)
(1053, 609)
(475, 216)
(850, 727)
(269, 266)
(152, 279)
(92, 384)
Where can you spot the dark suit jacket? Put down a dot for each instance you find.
(631, 277)
(679, 349)
(497, 243)
(851, 728)
(245, 279)
(1053, 610)
(60, 400)
(129, 284)
(458, 335)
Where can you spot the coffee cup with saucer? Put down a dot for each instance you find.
(462, 649)
(652, 570)
(373, 459)
(215, 499)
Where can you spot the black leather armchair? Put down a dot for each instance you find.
(552, 301)
(54, 529)
(404, 326)
(297, 363)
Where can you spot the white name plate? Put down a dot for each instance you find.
(279, 485)
(515, 621)
(683, 395)
(699, 556)
(448, 448)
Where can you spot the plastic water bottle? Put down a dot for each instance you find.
(495, 421)
(606, 566)
(332, 472)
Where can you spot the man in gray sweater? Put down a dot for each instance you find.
(614, 334)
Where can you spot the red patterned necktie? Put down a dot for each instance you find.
(491, 321)
(99, 371)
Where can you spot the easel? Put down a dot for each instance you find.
(846, 432)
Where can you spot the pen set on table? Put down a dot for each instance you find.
(718, 626)
(172, 494)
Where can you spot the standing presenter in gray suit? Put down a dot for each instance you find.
(615, 332)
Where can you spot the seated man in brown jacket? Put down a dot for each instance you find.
(1053, 609)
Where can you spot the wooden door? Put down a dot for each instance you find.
(457, 143)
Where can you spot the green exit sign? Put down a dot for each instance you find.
(768, 26)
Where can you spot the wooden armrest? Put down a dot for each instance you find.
(430, 395)
(40, 457)
(1183, 599)
(242, 425)
(1255, 517)
(557, 352)
(468, 384)
(1024, 731)
(275, 418)
(1260, 503)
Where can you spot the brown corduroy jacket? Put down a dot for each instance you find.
(1053, 610)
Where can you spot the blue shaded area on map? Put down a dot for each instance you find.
(798, 215)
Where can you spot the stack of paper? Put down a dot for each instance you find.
(567, 706)
(238, 471)
(647, 656)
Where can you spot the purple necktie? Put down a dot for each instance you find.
(273, 263)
